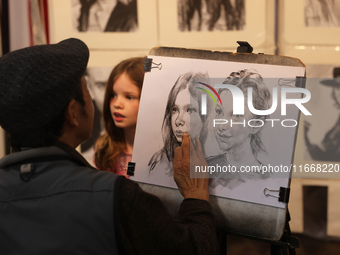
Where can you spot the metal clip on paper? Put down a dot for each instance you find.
(131, 169)
(300, 82)
(283, 194)
(148, 65)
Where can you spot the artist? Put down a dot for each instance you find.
(51, 200)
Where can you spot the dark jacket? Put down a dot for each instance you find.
(64, 206)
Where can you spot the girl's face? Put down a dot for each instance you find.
(185, 112)
(124, 102)
(232, 136)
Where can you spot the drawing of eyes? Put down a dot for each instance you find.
(174, 110)
(218, 111)
(237, 116)
(191, 109)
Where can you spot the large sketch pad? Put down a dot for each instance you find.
(231, 207)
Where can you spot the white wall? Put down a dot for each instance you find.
(18, 24)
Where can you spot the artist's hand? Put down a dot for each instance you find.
(190, 187)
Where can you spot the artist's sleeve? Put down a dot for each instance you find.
(146, 227)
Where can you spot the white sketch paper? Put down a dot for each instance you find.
(154, 165)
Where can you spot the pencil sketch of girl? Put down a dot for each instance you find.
(240, 143)
(182, 112)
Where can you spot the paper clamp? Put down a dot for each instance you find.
(131, 169)
(283, 194)
(298, 82)
(148, 65)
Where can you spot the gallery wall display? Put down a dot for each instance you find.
(309, 22)
(322, 129)
(102, 26)
(318, 139)
(322, 63)
(216, 24)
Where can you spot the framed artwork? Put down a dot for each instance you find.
(322, 129)
(322, 65)
(215, 24)
(310, 22)
(128, 24)
(318, 140)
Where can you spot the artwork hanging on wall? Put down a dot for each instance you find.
(216, 23)
(215, 15)
(105, 25)
(309, 23)
(322, 129)
(104, 16)
(322, 13)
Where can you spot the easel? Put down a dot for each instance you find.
(266, 223)
(285, 246)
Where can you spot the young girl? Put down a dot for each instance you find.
(121, 101)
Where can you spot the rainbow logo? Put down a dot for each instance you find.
(212, 89)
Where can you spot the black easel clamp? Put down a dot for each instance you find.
(300, 82)
(283, 194)
(148, 65)
(244, 47)
(131, 169)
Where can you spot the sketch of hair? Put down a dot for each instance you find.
(166, 154)
(231, 138)
(244, 79)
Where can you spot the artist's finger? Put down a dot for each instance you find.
(186, 146)
(193, 152)
(178, 157)
(199, 150)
